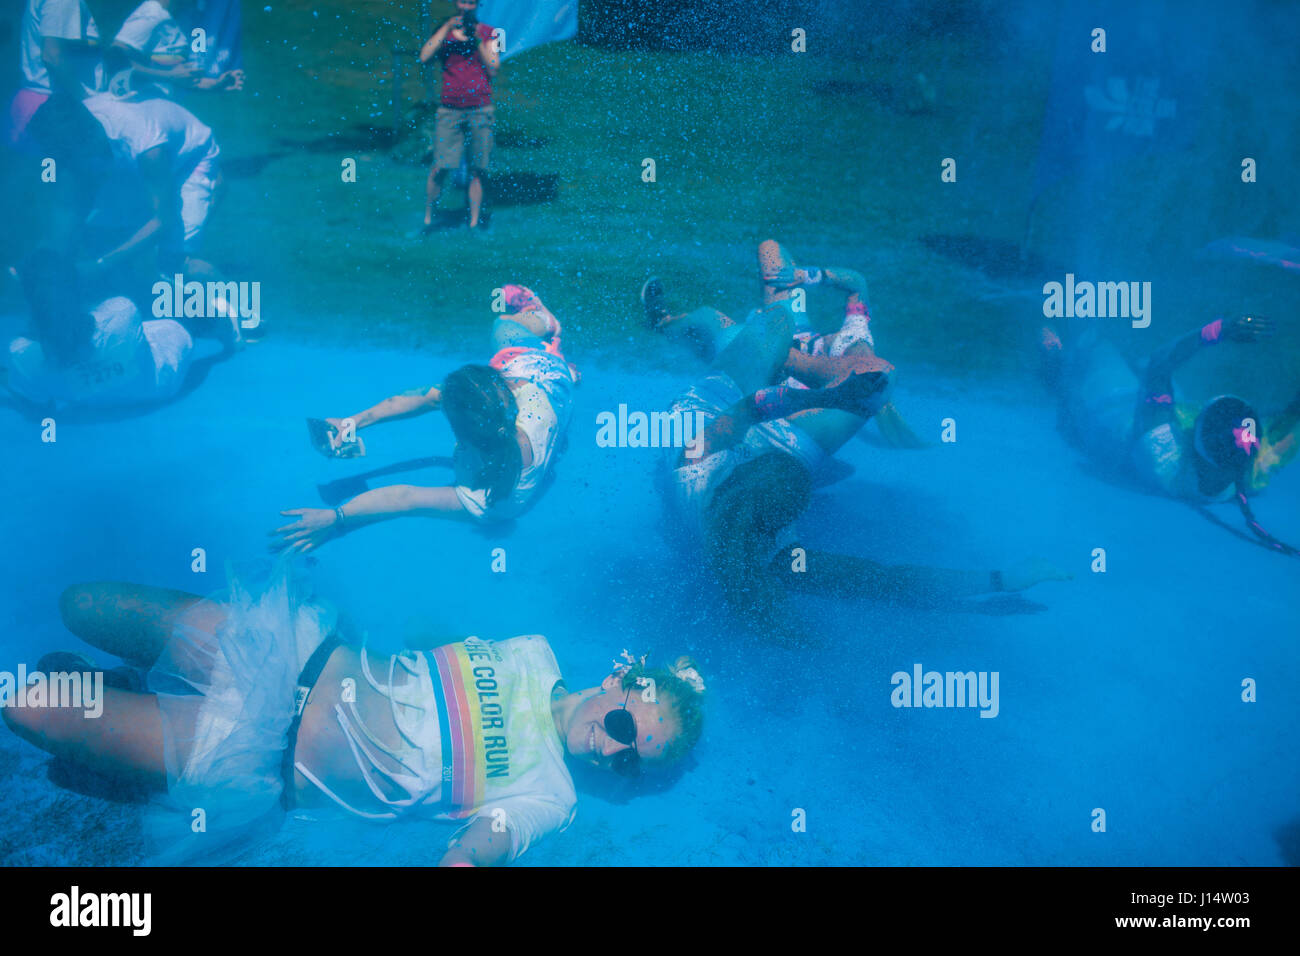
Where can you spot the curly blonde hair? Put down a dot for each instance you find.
(682, 687)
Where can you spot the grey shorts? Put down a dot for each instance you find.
(454, 128)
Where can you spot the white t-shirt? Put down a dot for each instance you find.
(152, 30)
(478, 738)
(129, 361)
(135, 128)
(543, 399)
(63, 20)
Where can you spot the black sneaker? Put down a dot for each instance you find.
(652, 297)
(857, 393)
(125, 678)
(69, 662)
(65, 662)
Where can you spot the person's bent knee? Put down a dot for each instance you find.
(76, 604)
(29, 723)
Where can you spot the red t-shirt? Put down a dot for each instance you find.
(465, 80)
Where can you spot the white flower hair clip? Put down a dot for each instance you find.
(692, 677)
(628, 662)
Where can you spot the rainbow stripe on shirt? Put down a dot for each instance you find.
(471, 720)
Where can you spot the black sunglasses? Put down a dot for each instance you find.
(621, 726)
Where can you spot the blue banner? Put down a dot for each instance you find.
(220, 20)
(530, 23)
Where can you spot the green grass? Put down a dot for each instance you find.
(746, 146)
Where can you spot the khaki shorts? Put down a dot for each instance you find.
(453, 128)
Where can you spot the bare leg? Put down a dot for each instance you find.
(759, 353)
(133, 622)
(432, 190)
(705, 319)
(130, 621)
(829, 427)
(225, 326)
(125, 740)
(776, 271)
(703, 328)
(475, 200)
(527, 309)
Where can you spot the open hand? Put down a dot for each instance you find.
(1248, 328)
(231, 80)
(313, 528)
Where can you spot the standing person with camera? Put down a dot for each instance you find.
(470, 59)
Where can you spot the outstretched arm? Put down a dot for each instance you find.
(315, 526)
(477, 845)
(164, 222)
(408, 404)
(169, 66)
(1156, 399)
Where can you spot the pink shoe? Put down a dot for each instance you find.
(520, 298)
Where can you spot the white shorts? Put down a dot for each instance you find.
(171, 346)
(855, 329)
(196, 199)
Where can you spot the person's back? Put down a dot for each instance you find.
(114, 367)
(134, 128)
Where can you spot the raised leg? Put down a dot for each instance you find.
(133, 621)
(432, 191)
(759, 353)
(475, 200)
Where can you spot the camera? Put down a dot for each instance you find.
(469, 25)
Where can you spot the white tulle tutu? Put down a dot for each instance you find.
(227, 702)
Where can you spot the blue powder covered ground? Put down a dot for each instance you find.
(1119, 690)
